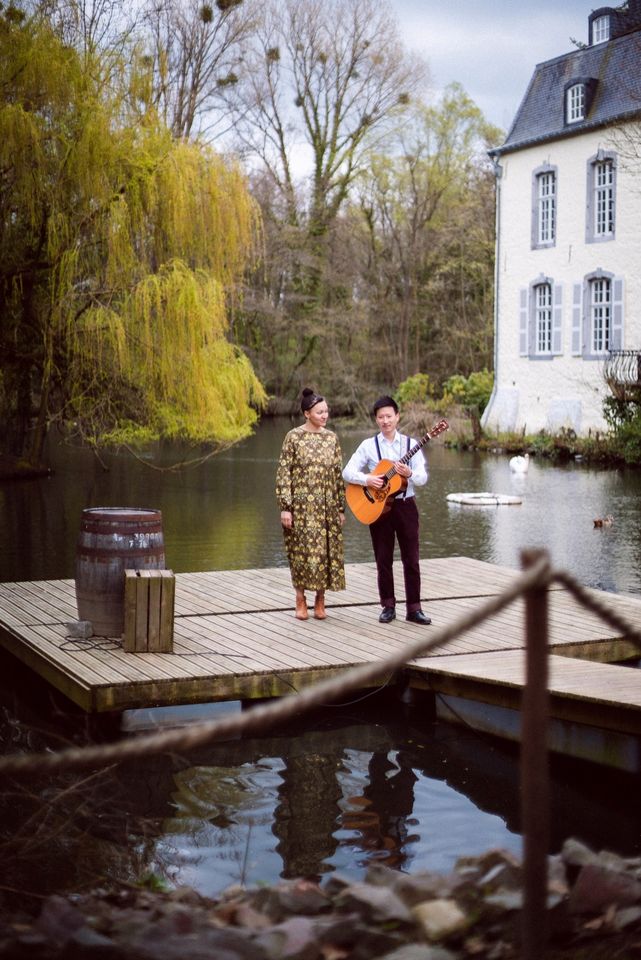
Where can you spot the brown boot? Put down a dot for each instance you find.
(301, 606)
(319, 606)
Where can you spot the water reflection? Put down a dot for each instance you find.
(381, 815)
(377, 782)
(222, 515)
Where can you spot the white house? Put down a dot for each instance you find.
(568, 242)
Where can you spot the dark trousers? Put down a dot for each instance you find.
(401, 523)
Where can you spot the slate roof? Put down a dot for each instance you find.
(615, 65)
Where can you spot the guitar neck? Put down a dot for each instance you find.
(421, 443)
(439, 428)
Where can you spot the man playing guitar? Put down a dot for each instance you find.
(399, 520)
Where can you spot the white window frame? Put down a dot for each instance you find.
(544, 206)
(601, 29)
(600, 307)
(575, 103)
(598, 320)
(601, 190)
(543, 318)
(603, 225)
(546, 201)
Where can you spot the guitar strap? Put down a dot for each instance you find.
(399, 496)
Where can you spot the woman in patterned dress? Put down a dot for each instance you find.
(311, 496)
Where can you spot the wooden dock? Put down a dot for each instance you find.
(236, 638)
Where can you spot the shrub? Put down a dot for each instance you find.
(472, 391)
(416, 389)
(628, 439)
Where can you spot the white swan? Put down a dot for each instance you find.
(520, 464)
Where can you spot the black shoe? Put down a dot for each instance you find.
(418, 617)
(387, 615)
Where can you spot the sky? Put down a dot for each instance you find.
(491, 46)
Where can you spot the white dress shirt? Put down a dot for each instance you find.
(365, 458)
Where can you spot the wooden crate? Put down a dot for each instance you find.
(149, 611)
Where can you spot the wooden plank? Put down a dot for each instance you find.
(142, 610)
(153, 620)
(166, 604)
(224, 648)
(130, 609)
(583, 691)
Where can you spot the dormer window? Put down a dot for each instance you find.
(575, 103)
(600, 29)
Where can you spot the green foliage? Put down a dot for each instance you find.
(623, 416)
(121, 257)
(472, 391)
(416, 389)
(628, 439)
(154, 883)
(618, 412)
(562, 446)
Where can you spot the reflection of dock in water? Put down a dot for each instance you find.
(236, 638)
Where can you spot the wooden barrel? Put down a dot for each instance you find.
(112, 540)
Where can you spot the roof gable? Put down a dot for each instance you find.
(613, 70)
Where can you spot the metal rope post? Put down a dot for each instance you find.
(535, 791)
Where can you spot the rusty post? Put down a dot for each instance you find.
(534, 773)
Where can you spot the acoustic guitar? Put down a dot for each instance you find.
(368, 503)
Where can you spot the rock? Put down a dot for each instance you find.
(475, 911)
(59, 919)
(481, 866)
(206, 944)
(416, 951)
(597, 888)
(577, 854)
(303, 896)
(187, 895)
(626, 917)
(557, 876)
(505, 900)
(501, 875)
(418, 887)
(86, 942)
(374, 904)
(440, 919)
(295, 939)
(335, 884)
(344, 933)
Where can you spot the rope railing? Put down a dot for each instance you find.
(260, 717)
(532, 585)
(263, 716)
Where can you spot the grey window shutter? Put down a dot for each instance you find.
(557, 318)
(523, 325)
(577, 298)
(616, 334)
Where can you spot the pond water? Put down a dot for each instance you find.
(375, 779)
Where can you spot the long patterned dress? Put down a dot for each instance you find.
(309, 483)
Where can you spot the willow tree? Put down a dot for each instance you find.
(120, 256)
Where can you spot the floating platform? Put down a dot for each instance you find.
(484, 499)
(236, 638)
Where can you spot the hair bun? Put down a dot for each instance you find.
(309, 399)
